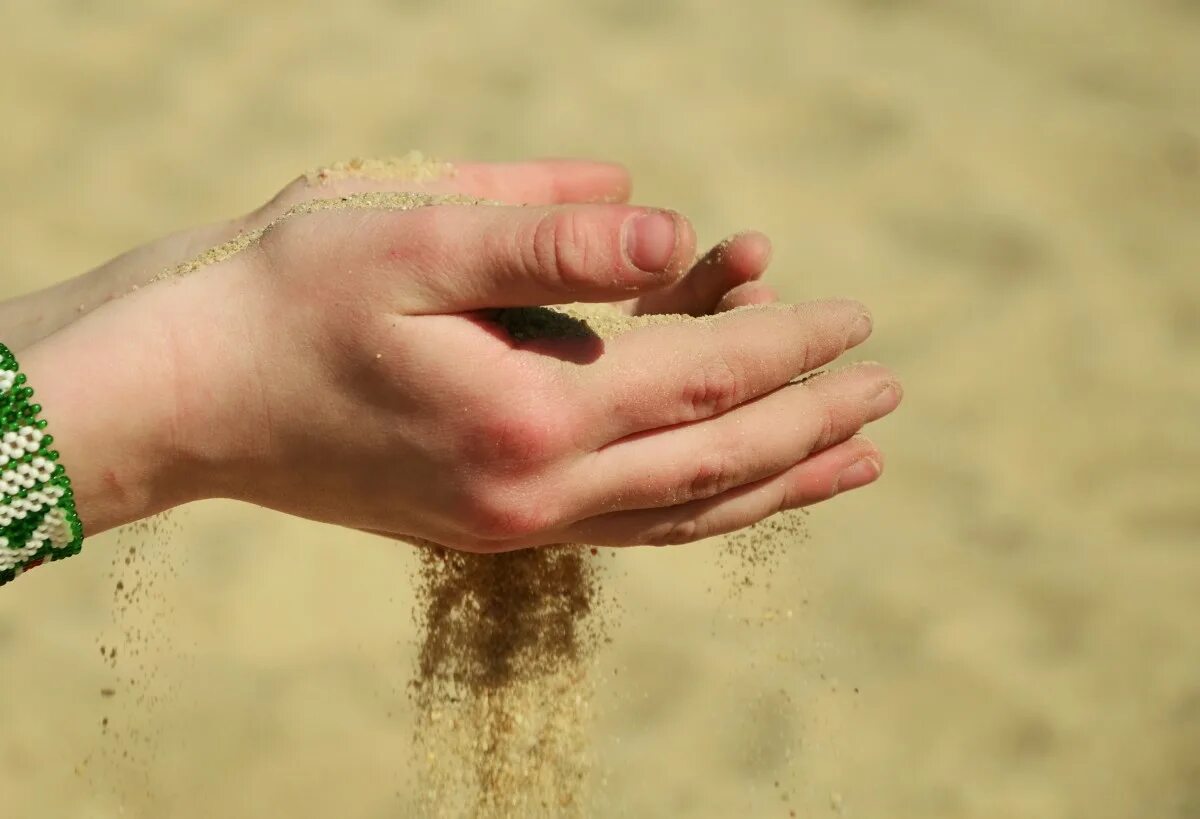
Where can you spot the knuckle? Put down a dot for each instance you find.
(497, 514)
(827, 431)
(299, 187)
(711, 476)
(280, 238)
(289, 194)
(713, 389)
(807, 355)
(298, 190)
(563, 246)
(807, 351)
(675, 533)
(517, 439)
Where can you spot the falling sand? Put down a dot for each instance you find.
(502, 685)
(414, 166)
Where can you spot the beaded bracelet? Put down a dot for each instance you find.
(38, 521)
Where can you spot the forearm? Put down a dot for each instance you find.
(106, 388)
(33, 316)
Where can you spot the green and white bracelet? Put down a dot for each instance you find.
(38, 521)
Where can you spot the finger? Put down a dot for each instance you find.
(758, 439)
(747, 295)
(676, 373)
(542, 182)
(848, 465)
(735, 261)
(458, 258)
(537, 182)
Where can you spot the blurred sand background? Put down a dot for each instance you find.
(1008, 625)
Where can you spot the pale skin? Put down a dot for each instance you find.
(347, 370)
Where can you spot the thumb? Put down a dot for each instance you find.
(497, 256)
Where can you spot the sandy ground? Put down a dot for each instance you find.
(1006, 626)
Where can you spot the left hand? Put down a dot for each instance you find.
(727, 276)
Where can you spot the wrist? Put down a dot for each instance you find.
(106, 384)
(37, 508)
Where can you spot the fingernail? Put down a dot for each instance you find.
(650, 241)
(887, 398)
(859, 473)
(861, 329)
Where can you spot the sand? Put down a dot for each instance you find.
(413, 166)
(1013, 188)
(509, 643)
(502, 684)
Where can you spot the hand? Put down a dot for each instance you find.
(347, 371)
(727, 276)
(721, 274)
